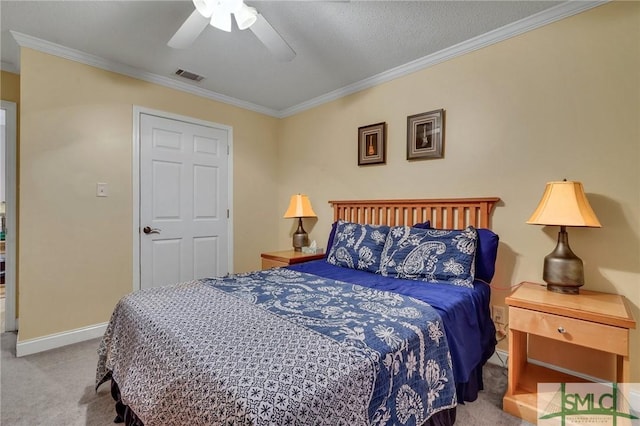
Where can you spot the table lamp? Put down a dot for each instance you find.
(564, 204)
(299, 207)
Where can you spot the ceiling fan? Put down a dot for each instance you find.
(218, 13)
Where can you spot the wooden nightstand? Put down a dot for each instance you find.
(275, 259)
(590, 319)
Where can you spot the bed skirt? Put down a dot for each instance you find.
(124, 414)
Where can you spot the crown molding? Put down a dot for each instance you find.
(553, 14)
(44, 46)
(548, 16)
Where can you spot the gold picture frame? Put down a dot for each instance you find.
(425, 135)
(372, 144)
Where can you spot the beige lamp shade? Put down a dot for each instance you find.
(299, 206)
(565, 204)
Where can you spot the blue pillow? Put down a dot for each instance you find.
(486, 254)
(430, 254)
(423, 225)
(358, 246)
(332, 235)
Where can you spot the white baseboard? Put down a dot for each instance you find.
(57, 340)
(567, 371)
(499, 358)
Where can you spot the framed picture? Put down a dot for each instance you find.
(372, 144)
(425, 135)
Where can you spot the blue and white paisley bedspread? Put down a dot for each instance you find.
(277, 347)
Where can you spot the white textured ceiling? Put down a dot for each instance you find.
(338, 43)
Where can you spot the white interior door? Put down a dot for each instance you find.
(183, 201)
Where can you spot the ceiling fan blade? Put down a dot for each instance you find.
(189, 31)
(272, 40)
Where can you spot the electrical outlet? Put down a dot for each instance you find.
(499, 314)
(102, 189)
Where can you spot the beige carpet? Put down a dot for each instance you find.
(56, 388)
(52, 388)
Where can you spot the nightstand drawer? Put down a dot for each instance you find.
(277, 259)
(270, 263)
(578, 332)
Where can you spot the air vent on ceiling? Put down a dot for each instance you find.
(189, 75)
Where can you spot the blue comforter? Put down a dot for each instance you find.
(277, 347)
(464, 311)
(401, 337)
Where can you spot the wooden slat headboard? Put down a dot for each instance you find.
(444, 213)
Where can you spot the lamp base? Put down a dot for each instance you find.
(563, 271)
(562, 288)
(300, 237)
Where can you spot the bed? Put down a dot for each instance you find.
(385, 334)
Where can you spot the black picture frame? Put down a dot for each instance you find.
(425, 135)
(372, 144)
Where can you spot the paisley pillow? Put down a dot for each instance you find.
(358, 246)
(486, 252)
(332, 233)
(430, 255)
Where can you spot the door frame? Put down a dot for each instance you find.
(135, 177)
(11, 165)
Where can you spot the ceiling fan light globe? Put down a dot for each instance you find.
(246, 17)
(228, 6)
(236, 5)
(204, 7)
(221, 21)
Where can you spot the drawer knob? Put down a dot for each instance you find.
(561, 330)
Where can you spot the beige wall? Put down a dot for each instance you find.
(76, 249)
(562, 101)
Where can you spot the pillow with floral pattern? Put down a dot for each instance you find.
(358, 246)
(430, 255)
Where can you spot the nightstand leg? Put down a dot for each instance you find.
(517, 358)
(622, 369)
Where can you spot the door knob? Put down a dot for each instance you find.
(148, 230)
